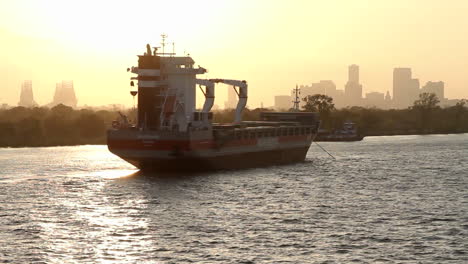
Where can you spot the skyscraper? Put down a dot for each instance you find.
(434, 87)
(283, 102)
(405, 88)
(231, 100)
(353, 73)
(353, 90)
(375, 99)
(64, 94)
(26, 96)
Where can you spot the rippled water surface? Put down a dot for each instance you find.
(401, 199)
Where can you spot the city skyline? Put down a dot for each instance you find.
(352, 94)
(405, 90)
(44, 41)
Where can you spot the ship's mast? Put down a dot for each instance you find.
(163, 47)
(163, 41)
(296, 101)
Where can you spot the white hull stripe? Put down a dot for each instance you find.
(149, 72)
(151, 84)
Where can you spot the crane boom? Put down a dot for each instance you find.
(242, 93)
(209, 94)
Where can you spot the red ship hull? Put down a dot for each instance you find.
(182, 155)
(226, 162)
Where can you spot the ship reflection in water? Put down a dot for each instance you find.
(395, 199)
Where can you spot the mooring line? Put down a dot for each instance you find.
(313, 140)
(324, 150)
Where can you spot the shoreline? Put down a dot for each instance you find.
(104, 143)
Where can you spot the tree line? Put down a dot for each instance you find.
(57, 126)
(62, 125)
(425, 116)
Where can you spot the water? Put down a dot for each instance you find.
(401, 199)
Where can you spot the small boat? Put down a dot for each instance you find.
(349, 132)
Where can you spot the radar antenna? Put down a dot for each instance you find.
(163, 41)
(173, 49)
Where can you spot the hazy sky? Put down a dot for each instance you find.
(271, 44)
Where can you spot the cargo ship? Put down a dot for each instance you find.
(170, 134)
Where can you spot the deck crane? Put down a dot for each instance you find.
(208, 92)
(241, 93)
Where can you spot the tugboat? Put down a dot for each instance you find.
(171, 135)
(349, 132)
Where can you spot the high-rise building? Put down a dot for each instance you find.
(27, 96)
(353, 89)
(353, 73)
(231, 102)
(434, 87)
(405, 88)
(401, 79)
(413, 91)
(375, 99)
(283, 102)
(326, 87)
(323, 87)
(64, 94)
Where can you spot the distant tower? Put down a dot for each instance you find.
(27, 97)
(353, 89)
(65, 94)
(388, 97)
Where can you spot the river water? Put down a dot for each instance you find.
(400, 199)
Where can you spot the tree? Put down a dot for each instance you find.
(426, 105)
(29, 131)
(90, 125)
(460, 111)
(7, 133)
(320, 103)
(427, 101)
(62, 111)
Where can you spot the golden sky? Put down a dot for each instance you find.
(271, 44)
